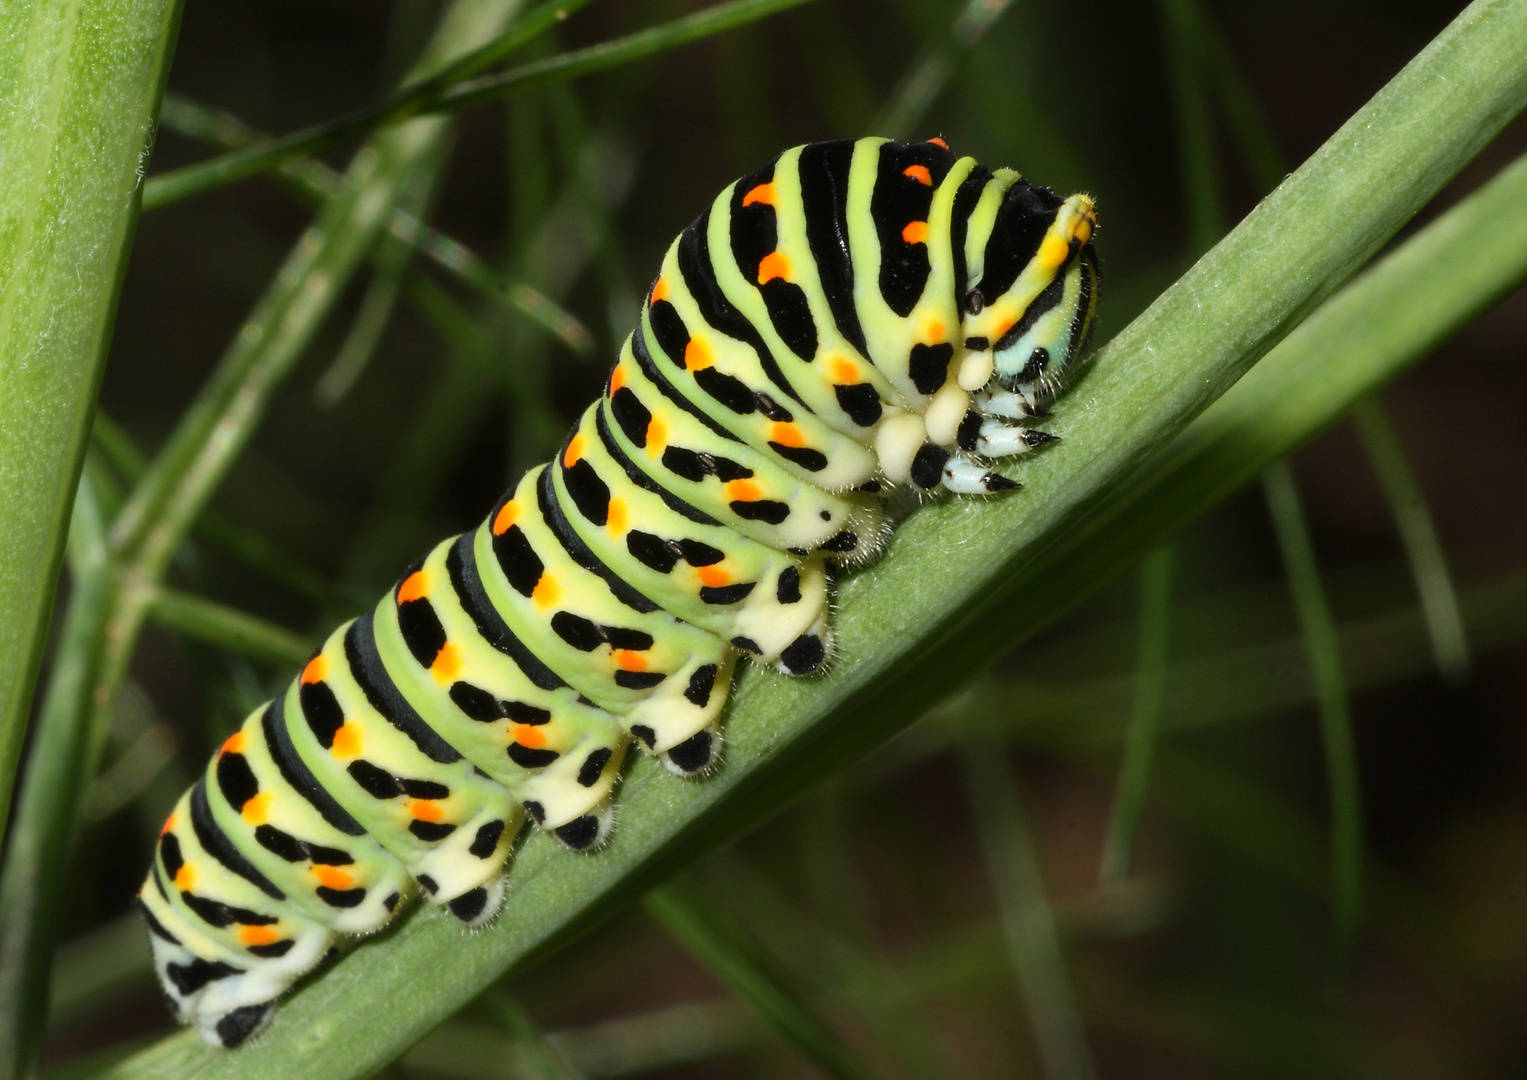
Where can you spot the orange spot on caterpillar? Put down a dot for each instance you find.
(660, 291)
(1000, 332)
(447, 663)
(506, 516)
(425, 809)
(763, 193)
(317, 668)
(257, 935)
(773, 265)
(530, 736)
(617, 378)
(414, 586)
(697, 354)
(630, 661)
(844, 371)
(169, 823)
(713, 576)
(185, 878)
(617, 517)
(573, 452)
(787, 435)
(657, 436)
(916, 232)
(234, 744)
(257, 810)
(936, 141)
(347, 740)
(332, 877)
(546, 591)
(919, 173)
(933, 330)
(743, 491)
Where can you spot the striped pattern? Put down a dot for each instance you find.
(851, 316)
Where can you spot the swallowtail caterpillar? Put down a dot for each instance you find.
(852, 316)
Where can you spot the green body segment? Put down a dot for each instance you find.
(842, 320)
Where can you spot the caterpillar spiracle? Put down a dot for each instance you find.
(852, 316)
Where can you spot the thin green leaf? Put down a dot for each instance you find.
(921, 86)
(81, 93)
(736, 963)
(238, 631)
(314, 181)
(1023, 907)
(541, 1060)
(632, 1045)
(109, 961)
(417, 96)
(246, 545)
(66, 749)
(1319, 630)
(962, 581)
(610, 54)
(1428, 563)
(112, 599)
(451, 90)
(1144, 719)
(1203, 200)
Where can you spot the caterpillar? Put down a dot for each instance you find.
(852, 317)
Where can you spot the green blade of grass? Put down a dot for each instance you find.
(1145, 717)
(453, 91)
(1423, 549)
(1330, 684)
(963, 580)
(1028, 923)
(81, 88)
(738, 967)
(238, 631)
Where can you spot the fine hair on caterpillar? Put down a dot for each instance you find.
(851, 320)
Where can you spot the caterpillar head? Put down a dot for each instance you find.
(1030, 309)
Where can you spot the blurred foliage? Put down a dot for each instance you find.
(935, 909)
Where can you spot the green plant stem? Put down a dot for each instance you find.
(543, 1062)
(1423, 549)
(249, 547)
(736, 964)
(1023, 907)
(65, 752)
(926, 79)
(313, 181)
(417, 95)
(98, 641)
(81, 90)
(228, 627)
(453, 92)
(1203, 201)
(1145, 718)
(1330, 683)
(962, 581)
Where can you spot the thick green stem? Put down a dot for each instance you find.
(80, 85)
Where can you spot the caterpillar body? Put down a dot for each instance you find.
(851, 316)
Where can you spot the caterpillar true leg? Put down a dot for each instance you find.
(850, 316)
